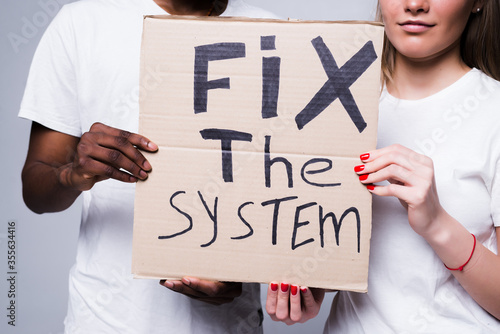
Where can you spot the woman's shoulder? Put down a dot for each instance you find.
(485, 81)
(481, 89)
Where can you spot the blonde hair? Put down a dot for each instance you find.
(479, 45)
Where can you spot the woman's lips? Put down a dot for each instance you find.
(415, 26)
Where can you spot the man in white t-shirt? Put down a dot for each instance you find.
(85, 74)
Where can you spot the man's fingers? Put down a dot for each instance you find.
(137, 140)
(214, 288)
(92, 168)
(115, 159)
(105, 152)
(180, 287)
(111, 149)
(215, 293)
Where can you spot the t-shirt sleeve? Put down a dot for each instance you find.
(50, 96)
(495, 196)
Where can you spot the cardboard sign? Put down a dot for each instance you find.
(260, 124)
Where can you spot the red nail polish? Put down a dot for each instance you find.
(284, 287)
(294, 290)
(304, 290)
(365, 156)
(359, 168)
(370, 187)
(363, 177)
(274, 287)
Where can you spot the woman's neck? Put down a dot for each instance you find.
(417, 79)
(193, 7)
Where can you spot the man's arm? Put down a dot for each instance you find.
(48, 152)
(59, 167)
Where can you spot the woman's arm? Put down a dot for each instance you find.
(411, 178)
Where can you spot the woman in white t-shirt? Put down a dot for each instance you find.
(434, 266)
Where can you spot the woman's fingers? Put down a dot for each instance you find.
(393, 155)
(291, 303)
(295, 304)
(272, 299)
(394, 173)
(282, 310)
(411, 180)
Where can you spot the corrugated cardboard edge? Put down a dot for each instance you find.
(361, 289)
(246, 19)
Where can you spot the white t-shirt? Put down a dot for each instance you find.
(86, 70)
(409, 289)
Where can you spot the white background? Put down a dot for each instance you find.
(46, 243)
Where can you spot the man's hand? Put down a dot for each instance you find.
(212, 292)
(59, 167)
(105, 152)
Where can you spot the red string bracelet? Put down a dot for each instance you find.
(470, 257)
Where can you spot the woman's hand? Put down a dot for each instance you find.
(411, 177)
(291, 303)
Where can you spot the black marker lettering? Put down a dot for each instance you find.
(303, 172)
(213, 217)
(270, 78)
(268, 43)
(297, 225)
(338, 225)
(203, 55)
(268, 162)
(189, 228)
(226, 137)
(250, 233)
(277, 203)
(338, 84)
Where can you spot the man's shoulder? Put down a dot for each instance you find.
(82, 7)
(242, 8)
